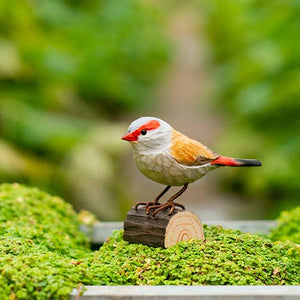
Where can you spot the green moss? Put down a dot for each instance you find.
(288, 226)
(30, 271)
(48, 221)
(44, 256)
(226, 257)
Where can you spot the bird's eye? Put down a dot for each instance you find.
(143, 132)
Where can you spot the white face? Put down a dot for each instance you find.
(149, 134)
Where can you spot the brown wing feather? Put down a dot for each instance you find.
(189, 152)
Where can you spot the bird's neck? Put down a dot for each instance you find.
(142, 150)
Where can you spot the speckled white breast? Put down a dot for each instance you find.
(163, 168)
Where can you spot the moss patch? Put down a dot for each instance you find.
(30, 271)
(225, 257)
(43, 255)
(288, 227)
(49, 221)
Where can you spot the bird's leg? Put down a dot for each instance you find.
(170, 203)
(155, 202)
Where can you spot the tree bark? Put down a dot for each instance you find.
(162, 230)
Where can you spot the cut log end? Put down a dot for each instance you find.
(162, 230)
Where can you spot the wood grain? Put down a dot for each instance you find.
(162, 230)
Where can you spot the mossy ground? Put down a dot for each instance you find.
(288, 228)
(43, 255)
(48, 221)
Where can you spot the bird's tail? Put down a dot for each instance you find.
(236, 162)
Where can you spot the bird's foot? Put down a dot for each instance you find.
(147, 204)
(159, 207)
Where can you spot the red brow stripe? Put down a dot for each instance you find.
(151, 125)
(133, 136)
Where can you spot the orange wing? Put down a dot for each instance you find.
(189, 152)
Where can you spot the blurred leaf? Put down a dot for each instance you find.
(256, 57)
(66, 67)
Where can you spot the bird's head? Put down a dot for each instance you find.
(148, 134)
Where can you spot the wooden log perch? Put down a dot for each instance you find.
(162, 230)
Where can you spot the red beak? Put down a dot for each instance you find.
(130, 137)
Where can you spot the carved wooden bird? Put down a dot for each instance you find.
(171, 158)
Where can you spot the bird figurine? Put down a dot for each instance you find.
(171, 158)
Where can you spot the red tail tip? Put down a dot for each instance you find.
(236, 162)
(225, 161)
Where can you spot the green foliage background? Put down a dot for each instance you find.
(105, 52)
(288, 227)
(67, 69)
(71, 70)
(256, 58)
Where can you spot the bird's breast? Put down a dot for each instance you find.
(163, 168)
